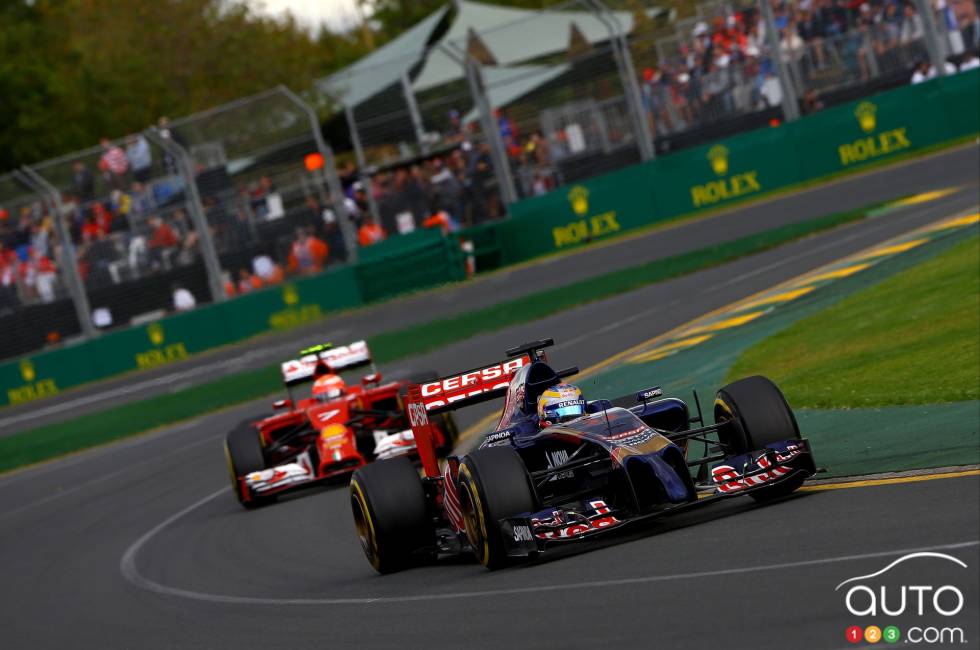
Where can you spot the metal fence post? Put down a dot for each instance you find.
(344, 221)
(355, 138)
(413, 111)
(631, 84)
(791, 107)
(212, 265)
(69, 261)
(330, 171)
(931, 34)
(491, 130)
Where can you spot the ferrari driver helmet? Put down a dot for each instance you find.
(560, 403)
(328, 387)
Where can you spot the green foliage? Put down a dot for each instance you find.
(395, 16)
(72, 71)
(913, 339)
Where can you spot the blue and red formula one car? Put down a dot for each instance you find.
(582, 469)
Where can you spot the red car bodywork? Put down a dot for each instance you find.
(314, 440)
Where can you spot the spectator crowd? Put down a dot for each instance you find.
(724, 66)
(125, 210)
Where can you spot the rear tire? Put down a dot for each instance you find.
(243, 451)
(494, 484)
(391, 514)
(755, 414)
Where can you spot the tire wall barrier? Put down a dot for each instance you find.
(839, 139)
(414, 262)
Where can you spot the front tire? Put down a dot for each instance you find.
(391, 514)
(494, 484)
(755, 414)
(243, 451)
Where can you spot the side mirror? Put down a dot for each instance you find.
(374, 378)
(282, 404)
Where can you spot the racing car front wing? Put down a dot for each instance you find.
(534, 533)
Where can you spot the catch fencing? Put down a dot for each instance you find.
(602, 85)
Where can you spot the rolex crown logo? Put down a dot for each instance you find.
(290, 295)
(27, 370)
(155, 332)
(579, 198)
(718, 157)
(865, 113)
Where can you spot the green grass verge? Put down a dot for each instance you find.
(912, 339)
(54, 440)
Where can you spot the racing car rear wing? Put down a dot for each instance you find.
(344, 357)
(455, 392)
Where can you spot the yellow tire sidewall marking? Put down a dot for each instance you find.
(483, 555)
(372, 536)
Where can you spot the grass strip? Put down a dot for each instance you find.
(53, 440)
(912, 339)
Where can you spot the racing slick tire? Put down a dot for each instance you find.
(494, 484)
(757, 414)
(243, 451)
(391, 515)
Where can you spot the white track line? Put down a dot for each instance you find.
(127, 565)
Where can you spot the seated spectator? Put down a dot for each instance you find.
(266, 270)
(447, 192)
(188, 238)
(39, 275)
(83, 183)
(90, 229)
(248, 282)
(230, 288)
(113, 164)
(163, 242)
(141, 201)
(9, 300)
(440, 220)
(924, 71)
(99, 256)
(969, 62)
(308, 254)
(370, 232)
(138, 153)
(811, 102)
(183, 299)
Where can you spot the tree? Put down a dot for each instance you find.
(72, 71)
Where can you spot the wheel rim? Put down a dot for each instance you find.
(473, 520)
(364, 527)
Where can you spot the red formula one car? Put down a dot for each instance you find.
(329, 434)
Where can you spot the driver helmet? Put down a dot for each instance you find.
(560, 403)
(328, 387)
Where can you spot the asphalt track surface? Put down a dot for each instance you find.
(142, 545)
(959, 167)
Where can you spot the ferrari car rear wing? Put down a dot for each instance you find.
(344, 357)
